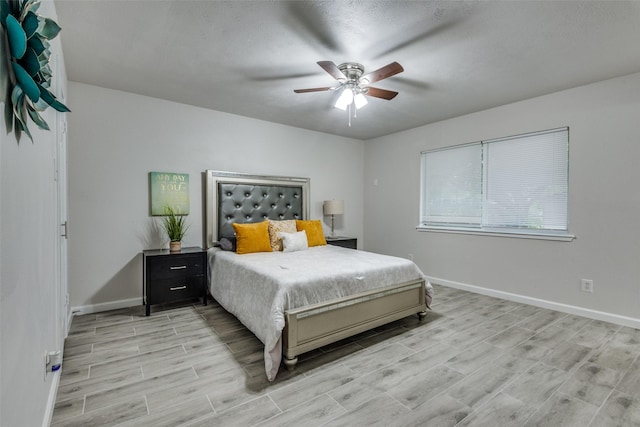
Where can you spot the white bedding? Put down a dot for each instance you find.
(258, 288)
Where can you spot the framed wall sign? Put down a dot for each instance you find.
(168, 189)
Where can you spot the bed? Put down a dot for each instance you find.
(300, 300)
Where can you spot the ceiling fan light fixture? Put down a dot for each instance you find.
(360, 101)
(345, 99)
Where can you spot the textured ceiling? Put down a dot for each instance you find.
(246, 57)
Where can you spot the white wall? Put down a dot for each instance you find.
(28, 263)
(117, 138)
(604, 201)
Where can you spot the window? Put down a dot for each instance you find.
(516, 185)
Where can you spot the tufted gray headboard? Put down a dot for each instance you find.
(234, 197)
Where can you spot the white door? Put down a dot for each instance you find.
(61, 309)
(61, 184)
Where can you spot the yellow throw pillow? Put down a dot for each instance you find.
(275, 227)
(313, 227)
(252, 237)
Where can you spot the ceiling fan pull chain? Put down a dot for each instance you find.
(350, 114)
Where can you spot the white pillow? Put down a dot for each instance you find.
(294, 241)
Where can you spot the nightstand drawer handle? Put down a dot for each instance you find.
(178, 288)
(178, 267)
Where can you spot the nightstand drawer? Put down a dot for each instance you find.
(166, 290)
(173, 267)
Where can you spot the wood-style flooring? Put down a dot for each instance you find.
(475, 361)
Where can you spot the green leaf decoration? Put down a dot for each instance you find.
(46, 53)
(29, 6)
(30, 24)
(23, 127)
(41, 105)
(17, 37)
(46, 70)
(43, 81)
(28, 36)
(44, 76)
(36, 44)
(26, 82)
(50, 30)
(30, 62)
(20, 124)
(4, 10)
(16, 95)
(52, 101)
(37, 119)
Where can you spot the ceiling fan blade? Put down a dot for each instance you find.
(332, 69)
(315, 89)
(382, 73)
(381, 93)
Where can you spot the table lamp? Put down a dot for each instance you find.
(333, 207)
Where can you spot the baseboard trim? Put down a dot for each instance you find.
(105, 306)
(51, 401)
(565, 308)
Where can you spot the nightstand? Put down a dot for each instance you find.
(173, 276)
(345, 242)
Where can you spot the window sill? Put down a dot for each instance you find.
(520, 234)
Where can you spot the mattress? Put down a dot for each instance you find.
(259, 287)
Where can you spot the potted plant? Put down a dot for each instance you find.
(175, 226)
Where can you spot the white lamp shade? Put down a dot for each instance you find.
(360, 101)
(333, 207)
(346, 98)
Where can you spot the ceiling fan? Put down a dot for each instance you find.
(355, 84)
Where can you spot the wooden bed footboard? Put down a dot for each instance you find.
(310, 327)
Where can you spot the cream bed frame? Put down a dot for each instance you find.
(234, 197)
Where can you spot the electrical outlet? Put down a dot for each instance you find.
(586, 285)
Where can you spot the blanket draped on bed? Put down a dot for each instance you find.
(258, 288)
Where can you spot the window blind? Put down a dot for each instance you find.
(452, 192)
(514, 183)
(525, 181)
